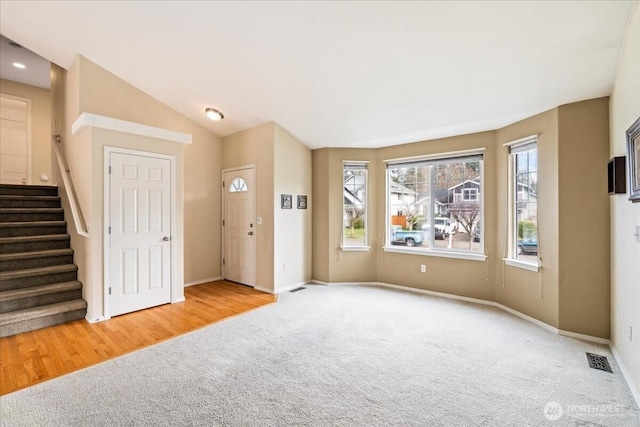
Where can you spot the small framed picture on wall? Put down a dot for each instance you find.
(302, 202)
(633, 156)
(285, 201)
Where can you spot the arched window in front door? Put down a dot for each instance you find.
(238, 184)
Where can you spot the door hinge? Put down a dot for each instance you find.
(223, 222)
(222, 184)
(109, 290)
(109, 229)
(109, 170)
(222, 261)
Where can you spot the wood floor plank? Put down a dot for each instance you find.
(32, 357)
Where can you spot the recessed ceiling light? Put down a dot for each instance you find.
(214, 114)
(19, 65)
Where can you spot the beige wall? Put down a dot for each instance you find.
(565, 293)
(256, 147)
(321, 210)
(625, 216)
(103, 93)
(532, 293)
(341, 266)
(461, 277)
(292, 175)
(468, 278)
(86, 87)
(584, 215)
(40, 126)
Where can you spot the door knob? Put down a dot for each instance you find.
(250, 233)
(166, 238)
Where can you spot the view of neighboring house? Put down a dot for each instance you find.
(527, 206)
(401, 199)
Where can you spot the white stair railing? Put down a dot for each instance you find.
(76, 211)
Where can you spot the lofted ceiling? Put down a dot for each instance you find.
(340, 74)
(37, 72)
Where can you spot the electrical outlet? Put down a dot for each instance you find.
(284, 267)
(423, 268)
(630, 332)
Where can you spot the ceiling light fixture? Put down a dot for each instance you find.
(19, 65)
(214, 114)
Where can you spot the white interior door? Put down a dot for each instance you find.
(140, 237)
(239, 260)
(14, 142)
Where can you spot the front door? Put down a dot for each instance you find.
(140, 232)
(239, 262)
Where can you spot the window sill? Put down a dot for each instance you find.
(521, 264)
(441, 254)
(355, 248)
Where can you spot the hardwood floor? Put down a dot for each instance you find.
(32, 357)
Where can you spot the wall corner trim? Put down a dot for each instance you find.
(202, 281)
(87, 120)
(634, 389)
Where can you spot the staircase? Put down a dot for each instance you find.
(38, 280)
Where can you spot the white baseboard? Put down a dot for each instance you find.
(583, 337)
(268, 291)
(533, 320)
(634, 390)
(96, 319)
(293, 286)
(200, 282)
(437, 294)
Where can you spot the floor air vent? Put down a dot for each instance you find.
(301, 288)
(598, 362)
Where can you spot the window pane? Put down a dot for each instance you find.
(525, 209)
(354, 206)
(436, 206)
(238, 184)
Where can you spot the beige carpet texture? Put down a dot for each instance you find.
(344, 356)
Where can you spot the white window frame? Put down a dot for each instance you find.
(434, 159)
(519, 146)
(356, 165)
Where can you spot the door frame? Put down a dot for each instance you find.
(222, 215)
(28, 124)
(107, 221)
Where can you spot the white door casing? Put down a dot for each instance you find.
(140, 245)
(15, 140)
(239, 227)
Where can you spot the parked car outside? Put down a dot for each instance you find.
(528, 246)
(443, 228)
(476, 234)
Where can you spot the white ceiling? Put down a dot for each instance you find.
(358, 74)
(37, 71)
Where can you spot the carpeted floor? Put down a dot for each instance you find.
(343, 356)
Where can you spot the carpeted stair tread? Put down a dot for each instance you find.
(30, 210)
(42, 311)
(43, 238)
(45, 190)
(21, 224)
(40, 271)
(32, 228)
(36, 254)
(20, 197)
(15, 201)
(14, 294)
